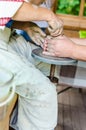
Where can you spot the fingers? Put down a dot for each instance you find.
(55, 27)
(48, 53)
(37, 39)
(39, 36)
(38, 30)
(40, 42)
(42, 33)
(57, 32)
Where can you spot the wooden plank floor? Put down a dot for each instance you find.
(71, 110)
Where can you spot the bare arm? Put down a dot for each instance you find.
(80, 52)
(29, 12)
(65, 47)
(80, 41)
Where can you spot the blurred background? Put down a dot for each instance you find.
(71, 7)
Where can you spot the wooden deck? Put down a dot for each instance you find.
(71, 110)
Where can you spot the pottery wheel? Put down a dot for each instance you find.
(37, 54)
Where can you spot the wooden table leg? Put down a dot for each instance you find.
(52, 72)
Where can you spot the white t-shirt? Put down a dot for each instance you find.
(7, 9)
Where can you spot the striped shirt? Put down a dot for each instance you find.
(7, 9)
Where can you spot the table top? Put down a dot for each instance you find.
(37, 54)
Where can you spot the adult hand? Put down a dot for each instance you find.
(36, 34)
(55, 26)
(60, 46)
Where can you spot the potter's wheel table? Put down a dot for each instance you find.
(37, 54)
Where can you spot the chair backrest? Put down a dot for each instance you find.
(73, 23)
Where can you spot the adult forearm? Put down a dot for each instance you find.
(79, 52)
(80, 41)
(29, 12)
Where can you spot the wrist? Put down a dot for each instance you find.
(74, 51)
(51, 16)
(45, 14)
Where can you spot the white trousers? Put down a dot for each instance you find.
(37, 105)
